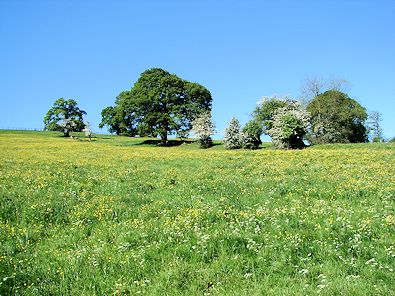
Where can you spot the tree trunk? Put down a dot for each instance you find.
(163, 141)
(163, 134)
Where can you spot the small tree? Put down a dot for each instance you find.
(64, 116)
(233, 137)
(375, 127)
(251, 135)
(88, 131)
(289, 126)
(204, 128)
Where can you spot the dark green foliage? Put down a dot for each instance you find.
(118, 120)
(64, 110)
(109, 118)
(158, 104)
(252, 132)
(336, 118)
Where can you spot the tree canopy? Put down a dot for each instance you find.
(336, 118)
(64, 116)
(158, 104)
(265, 110)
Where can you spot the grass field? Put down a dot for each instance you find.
(117, 217)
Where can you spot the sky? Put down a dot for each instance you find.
(240, 50)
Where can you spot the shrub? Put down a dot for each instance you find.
(251, 135)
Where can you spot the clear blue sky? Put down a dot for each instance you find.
(239, 50)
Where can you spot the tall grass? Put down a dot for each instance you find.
(114, 216)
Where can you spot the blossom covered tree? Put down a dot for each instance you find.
(87, 130)
(289, 126)
(233, 136)
(204, 128)
(67, 126)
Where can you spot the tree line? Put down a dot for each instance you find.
(160, 104)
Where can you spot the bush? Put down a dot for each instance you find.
(376, 140)
(251, 135)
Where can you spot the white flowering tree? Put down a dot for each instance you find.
(233, 137)
(67, 126)
(204, 128)
(88, 131)
(289, 126)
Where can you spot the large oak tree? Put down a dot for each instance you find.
(158, 104)
(64, 112)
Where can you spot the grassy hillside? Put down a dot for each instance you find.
(120, 216)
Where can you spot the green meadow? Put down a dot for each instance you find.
(122, 216)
